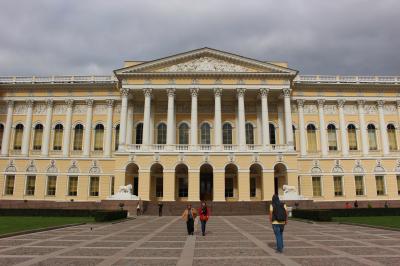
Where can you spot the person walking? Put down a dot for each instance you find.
(278, 218)
(189, 215)
(204, 213)
(160, 205)
(138, 212)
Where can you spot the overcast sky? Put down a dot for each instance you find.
(94, 37)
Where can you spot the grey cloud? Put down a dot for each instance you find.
(94, 37)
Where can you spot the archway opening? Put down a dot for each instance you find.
(256, 181)
(280, 178)
(157, 181)
(132, 177)
(231, 182)
(181, 182)
(206, 182)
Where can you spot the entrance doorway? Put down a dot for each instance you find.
(206, 182)
(280, 178)
(132, 177)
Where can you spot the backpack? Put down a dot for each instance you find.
(279, 213)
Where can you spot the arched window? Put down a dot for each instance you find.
(162, 134)
(205, 134)
(116, 140)
(352, 136)
(58, 135)
(183, 133)
(272, 137)
(139, 133)
(372, 137)
(249, 133)
(311, 138)
(37, 137)
(78, 137)
(294, 136)
(1, 134)
(19, 130)
(332, 141)
(391, 131)
(227, 134)
(98, 137)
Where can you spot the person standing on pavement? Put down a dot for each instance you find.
(189, 215)
(138, 212)
(278, 218)
(160, 205)
(204, 213)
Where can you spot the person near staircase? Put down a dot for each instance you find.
(204, 212)
(189, 215)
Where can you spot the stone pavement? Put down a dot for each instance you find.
(246, 240)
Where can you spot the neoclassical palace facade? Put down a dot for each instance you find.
(203, 124)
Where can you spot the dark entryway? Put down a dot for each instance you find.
(206, 182)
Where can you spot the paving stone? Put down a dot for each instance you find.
(110, 244)
(237, 262)
(15, 242)
(366, 250)
(68, 262)
(91, 252)
(146, 262)
(229, 252)
(12, 261)
(306, 252)
(339, 243)
(390, 261)
(29, 251)
(224, 244)
(157, 244)
(155, 253)
(327, 262)
(51, 243)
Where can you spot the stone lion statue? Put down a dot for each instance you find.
(289, 189)
(125, 189)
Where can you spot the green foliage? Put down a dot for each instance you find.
(386, 221)
(104, 216)
(315, 215)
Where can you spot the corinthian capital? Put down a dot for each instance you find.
(89, 102)
(321, 103)
(361, 103)
(194, 92)
(341, 103)
(380, 103)
(29, 103)
(124, 92)
(110, 103)
(171, 92)
(10, 103)
(300, 103)
(241, 92)
(147, 92)
(264, 92)
(286, 92)
(218, 92)
(69, 102)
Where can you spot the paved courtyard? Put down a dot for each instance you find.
(246, 240)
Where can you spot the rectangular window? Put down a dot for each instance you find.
(398, 184)
(380, 185)
(94, 186)
(253, 187)
(51, 185)
(30, 185)
(359, 180)
(317, 188)
(73, 186)
(183, 187)
(9, 189)
(159, 187)
(228, 187)
(112, 185)
(338, 185)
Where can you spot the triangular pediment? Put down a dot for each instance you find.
(205, 60)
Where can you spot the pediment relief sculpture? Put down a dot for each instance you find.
(206, 64)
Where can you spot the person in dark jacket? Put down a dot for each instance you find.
(160, 205)
(278, 218)
(189, 215)
(204, 213)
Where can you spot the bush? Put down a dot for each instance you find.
(104, 216)
(315, 215)
(365, 212)
(47, 212)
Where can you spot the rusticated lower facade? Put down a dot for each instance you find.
(201, 125)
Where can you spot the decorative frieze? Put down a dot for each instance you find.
(350, 109)
(310, 109)
(330, 109)
(370, 109)
(100, 109)
(205, 64)
(40, 109)
(390, 109)
(80, 109)
(60, 109)
(20, 108)
(183, 107)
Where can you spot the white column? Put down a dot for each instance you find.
(242, 117)
(88, 127)
(398, 111)
(363, 128)
(5, 144)
(109, 127)
(302, 129)
(171, 117)
(264, 116)
(47, 128)
(193, 118)
(218, 117)
(146, 118)
(122, 122)
(343, 130)
(288, 117)
(129, 123)
(68, 125)
(322, 130)
(382, 126)
(26, 136)
(280, 131)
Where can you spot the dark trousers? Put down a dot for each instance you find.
(190, 226)
(278, 231)
(203, 227)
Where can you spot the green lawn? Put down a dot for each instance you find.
(10, 224)
(387, 221)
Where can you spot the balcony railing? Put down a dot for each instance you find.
(346, 79)
(57, 79)
(207, 147)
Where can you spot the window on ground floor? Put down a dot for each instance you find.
(359, 181)
(73, 186)
(380, 185)
(229, 187)
(317, 187)
(159, 187)
(338, 185)
(9, 188)
(398, 184)
(183, 187)
(112, 185)
(94, 186)
(30, 185)
(253, 186)
(51, 185)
